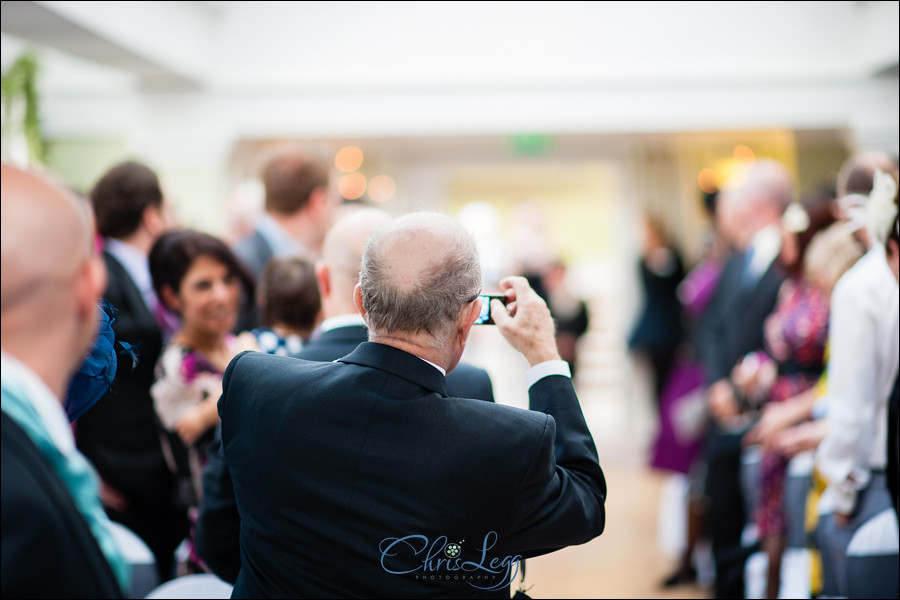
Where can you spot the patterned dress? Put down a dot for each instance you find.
(795, 336)
(184, 379)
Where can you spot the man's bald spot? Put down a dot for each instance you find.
(416, 245)
(46, 234)
(770, 182)
(344, 243)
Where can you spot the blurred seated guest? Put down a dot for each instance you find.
(56, 540)
(288, 297)
(864, 344)
(121, 435)
(342, 331)
(349, 475)
(731, 327)
(659, 330)
(199, 278)
(791, 361)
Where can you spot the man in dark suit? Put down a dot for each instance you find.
(363, 477)
(299, 209)
(120, 435)
(218, 526)
(733, 326)
(55, 537)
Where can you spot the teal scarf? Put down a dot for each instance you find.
(75, 472)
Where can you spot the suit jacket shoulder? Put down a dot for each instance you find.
(48, 549)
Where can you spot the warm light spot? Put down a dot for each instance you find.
(382, 188)
(708, 181)
(348, 158)
(352, 185)
(743, 154)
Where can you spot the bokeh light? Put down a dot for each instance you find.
(352, 185)
(743, 154)
(382, 188)
(348, 158)
(708, 181)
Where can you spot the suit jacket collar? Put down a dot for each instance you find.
(399, 363)
(122, 281)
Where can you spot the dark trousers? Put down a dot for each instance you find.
(727, 514)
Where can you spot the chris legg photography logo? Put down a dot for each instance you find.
(441, 560)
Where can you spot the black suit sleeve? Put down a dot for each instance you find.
(710, 331)
(561, 499)
(217, 535)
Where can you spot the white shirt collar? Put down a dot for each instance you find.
(44, 401)
(766, 244)
(441, 369)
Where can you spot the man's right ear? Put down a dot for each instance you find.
(358, 300)
(323, 278)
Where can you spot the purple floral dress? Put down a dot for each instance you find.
(795, 335)
(184, 379)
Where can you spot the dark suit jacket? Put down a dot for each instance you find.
(218, 525)
(733, 323)
(731, 327)
(120, 434)
(48, 550)
(335, 464)
(254, 251)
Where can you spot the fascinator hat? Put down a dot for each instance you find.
(881, 208)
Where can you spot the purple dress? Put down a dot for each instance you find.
(682, 405)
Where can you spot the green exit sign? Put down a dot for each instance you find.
(530, 144)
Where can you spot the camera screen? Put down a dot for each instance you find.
(484, 318)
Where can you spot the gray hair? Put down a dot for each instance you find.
(440, 273)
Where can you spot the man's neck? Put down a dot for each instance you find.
(415, 347)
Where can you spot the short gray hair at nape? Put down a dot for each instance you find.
(417, 274)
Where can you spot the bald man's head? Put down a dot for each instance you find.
(51, 278)
(417, 274)
(343, 247)
(764, 188)
(47, 234)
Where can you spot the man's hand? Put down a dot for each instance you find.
(722, 403)
(805, 436)
(775, 418)
(525, 321)
(112, 498)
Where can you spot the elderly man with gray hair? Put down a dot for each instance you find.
(362, 477)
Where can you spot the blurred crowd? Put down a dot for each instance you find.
(774, 359)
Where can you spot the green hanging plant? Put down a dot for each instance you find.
(19, 84)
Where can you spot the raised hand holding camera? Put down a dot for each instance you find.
(525, 321)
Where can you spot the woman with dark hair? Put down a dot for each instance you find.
(198, 278)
